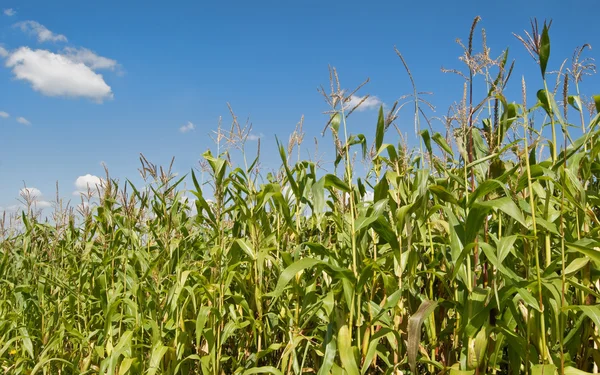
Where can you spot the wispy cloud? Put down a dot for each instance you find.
(10, 12)
(371, 102)
(255, 137)
(187, 127)
(11, 208)
(4, 114)
(54, 74)
(3, 52)
(23, 120)
(42, 204)
(39, 30)
(90, 58)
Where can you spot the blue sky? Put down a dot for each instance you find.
(89, 82)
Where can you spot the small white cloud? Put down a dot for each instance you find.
(90, 58)
(54, 74)
(4, 114)
(10, 12)
(34, 196)
(91, 182)
(187, 127)
(372, 102)
(30, 192)
(3, 52)
(42, 33)
(255, 137)
(23, 120)
(11, 208)
(42, 204)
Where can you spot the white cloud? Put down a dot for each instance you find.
(10, 12)
(11, 208)
(42, 204)
(254, 137)
(3, 52)
(90, 58)
(42, 33)
(23, 120)
(4, 114)
(91, 182)
(187, 127)
(372, 102)
(31, 192)
(54, 74)
(34, 196)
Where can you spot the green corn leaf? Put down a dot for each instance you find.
(126, 365)
(288, 172)
(288, 274)
(586, 247)
(379, 133)
(27, 343)
(427, 140)
(441, 141)
(597, 102)
(443, 194)
(507, 206)
(391, 150)
(570, 370)
(46, 361)
(454, 371)
(548, 369)
(262, 370)
(346, 351)
(507, 118)
(192, 357)
(529, 299)
(543, 101)
(218, 166)
(576, 265)
(243, 244)
(414, 331)
(158, 352)
(592, 312)
(544, 50)
(575, 102)
(330, 351)
(331, 180)
(335, 122)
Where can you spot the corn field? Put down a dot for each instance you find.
(474, 252)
